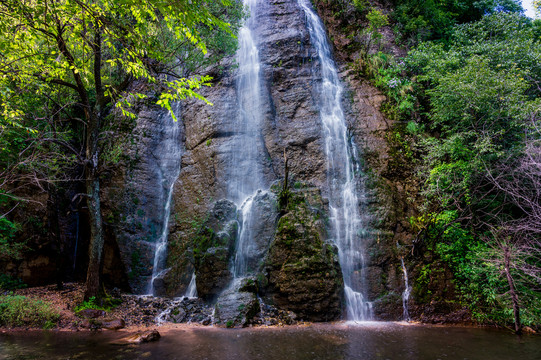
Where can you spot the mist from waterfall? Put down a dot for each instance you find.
(347, 225)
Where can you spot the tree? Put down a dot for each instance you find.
(429, 19)
(478, 95)
(79, 56)
(518, 241)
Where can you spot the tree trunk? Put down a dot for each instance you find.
(512, 292)
(94, 210)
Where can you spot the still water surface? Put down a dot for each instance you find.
(334, 342)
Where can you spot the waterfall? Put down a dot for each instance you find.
(168, 154)
(347, 227)
(245, 176)
(406, 293)
(241, 254)
(191, 292)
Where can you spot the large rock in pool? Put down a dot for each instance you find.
(238, 305)
(302, 270)
(213, 246)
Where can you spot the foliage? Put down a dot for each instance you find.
(105, 302)
(476, 95)
(430, 19)
(361, 5)
(52, 44)
(9, 247)
(376, 20)
(17, 310)
(8, 282)
(389, 75)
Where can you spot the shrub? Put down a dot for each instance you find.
(18, 310)
(8, 282)
(106, 303)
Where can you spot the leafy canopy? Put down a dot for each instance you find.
(90, 44)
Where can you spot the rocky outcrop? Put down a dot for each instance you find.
(213, 245)
(136, 191)
(290, 122)
(261, 226)
(302, 270)
(238, 305)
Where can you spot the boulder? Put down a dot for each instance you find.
(302, 270)
(90, 313)
(113, 324)
(213, 246)
(139, 338)
(237, 307)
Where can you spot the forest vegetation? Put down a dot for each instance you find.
(68, 70)
(467, 100)
(466, 96)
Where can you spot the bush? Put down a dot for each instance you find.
(106, 303)
(18, 310)
(8, 282)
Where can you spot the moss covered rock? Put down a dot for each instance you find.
(302, 270)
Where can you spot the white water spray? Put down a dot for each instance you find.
(168, 154)
(406, 293)
(191, 292)
(245, 173)
(245, 177)
(347, 224)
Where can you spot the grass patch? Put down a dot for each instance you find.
(18, 310)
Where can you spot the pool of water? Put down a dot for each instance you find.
(339, 341)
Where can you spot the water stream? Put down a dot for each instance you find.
(406, 293)
(191, 292)
(246, 175)
(168, 155)
(347, 225)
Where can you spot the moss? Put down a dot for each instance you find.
(136, 265)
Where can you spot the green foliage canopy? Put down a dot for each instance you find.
(96, 45)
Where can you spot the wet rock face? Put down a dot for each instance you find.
(264, 216)
(238, 305)
(303, 273)
(287, 64)
(212, 272)
(134, 197)
(213, 246)
(290, 121)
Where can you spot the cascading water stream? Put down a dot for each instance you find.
(347, 224)
(191, 292)
(168, 153)
(245, 175)
(406, 293)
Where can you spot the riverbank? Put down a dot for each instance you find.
(136, 314)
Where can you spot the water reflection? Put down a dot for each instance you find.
(366, 341)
